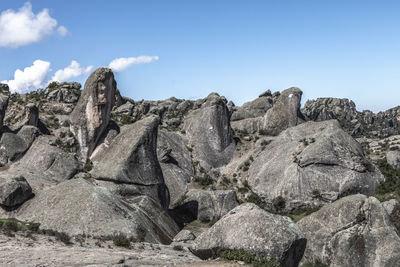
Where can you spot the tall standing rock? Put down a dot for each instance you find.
(209, 132)
(4, 96)
(285, 113)
(92, 112)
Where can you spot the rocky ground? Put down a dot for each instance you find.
(91, 178)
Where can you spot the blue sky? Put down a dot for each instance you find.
(347, 49)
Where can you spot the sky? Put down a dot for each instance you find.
(188, 49)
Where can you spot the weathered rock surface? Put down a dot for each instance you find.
(256, 231)
(392, 207)
(131, 161)
(4, 96)
(92, 113)
(22, 251)
(13, 146)
(66, 92)
(366, 123)
(393, 158)
(184, 236)
(176, 164)
(253, 109)
(210, 205)
(302, 165)
(14, 192)
(209, 133)
(84, 208)
(43, 165)
(285, 113)
(353, 231)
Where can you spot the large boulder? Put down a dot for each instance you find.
(393, 158)
(207, 205)
(14, 192)
(79, 207)
(284, 113)
(43, 165)
(176, 164)
(131, 161)
(4, 96)
(302, 166)
(253, 109)
(256, 231)
(209, 133)
(13, 146)
(92, 113)
(353, 231)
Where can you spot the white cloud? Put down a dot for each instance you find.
(31, 77)
(62, 30)
(23, 27)
(119, 64)
(72, 71)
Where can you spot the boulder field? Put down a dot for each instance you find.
(192, 182)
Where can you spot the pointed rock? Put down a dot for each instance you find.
(92, 113)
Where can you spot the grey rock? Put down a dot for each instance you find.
(14, 192)
(176, 164)
(207, 205)
(209, 133)
(302, 165)
(4, 96)
(252, 109)
(285, 112)
(43, 165)
(92, 113)
(66, 92)
(365, 123)
(125, 109)
(83, 208)
(353, 231)
(184, 236)
(256, 231)
(13, 146)
(393, 158)
(30, 116)
(131, 159)
(392, 207)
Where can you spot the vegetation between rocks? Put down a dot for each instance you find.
(247, 257)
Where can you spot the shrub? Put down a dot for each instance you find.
(392, 182)
(203, 180)
(121, 240)
(63, 237)
(279, 203)
(256, 199)
(360, 217)
(178, 248)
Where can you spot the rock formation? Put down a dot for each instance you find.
(353, 231)
(4, 96)
(302, 163)
(92, 112)
(249, 228)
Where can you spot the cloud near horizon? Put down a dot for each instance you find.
(120, 64)
(31, 77)
(72, 71)
(23, 27)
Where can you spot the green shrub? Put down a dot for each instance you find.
(204, 181)
(256, 199)
(121, 240)
(392, 175)
(178, 248)
(279, 203)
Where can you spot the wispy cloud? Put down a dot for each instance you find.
(32, 77)
(120, 64)
(72, 71)
(23, 27)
